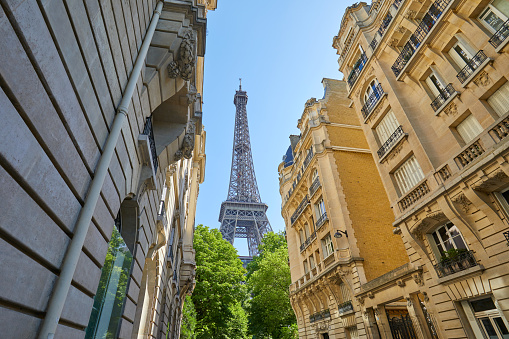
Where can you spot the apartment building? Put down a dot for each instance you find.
(428, 81)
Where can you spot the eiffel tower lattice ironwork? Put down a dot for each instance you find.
(243, 214)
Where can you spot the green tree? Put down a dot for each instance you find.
(188, 325)
(220, 287)
(270, 312)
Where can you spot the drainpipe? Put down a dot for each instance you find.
(57, 301)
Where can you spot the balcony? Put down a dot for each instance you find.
(371, 102)
(500, 35)
(472, 65)
(314, 186)
(308, 241)
(391, 142)
(357, 68)
(319, 316)
(345, 307)
(381, 30)
(415, 40)
(308, 158)
(459, 261)
(469, 154)
(321, 220)
(149, 132)
(501, 130)
(415, 195)
(299, 209)
(443, 97)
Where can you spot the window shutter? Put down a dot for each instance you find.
(408, 175)
(469, 128)
(386, 127)
(499, 100)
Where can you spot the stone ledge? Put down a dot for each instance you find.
(477, 270)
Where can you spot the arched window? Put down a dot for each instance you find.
(372, 91)
(314, 176)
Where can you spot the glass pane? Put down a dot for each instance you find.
(443, 234)
(488, 328)
(111, 292)
(493, 20)
(506, 196)
(501, 327)
(482, 305)
(448, 244)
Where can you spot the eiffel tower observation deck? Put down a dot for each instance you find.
(243, 214)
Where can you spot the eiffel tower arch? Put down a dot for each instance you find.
(243, 214)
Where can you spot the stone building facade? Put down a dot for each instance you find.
(102, 150)
(428, 80)
(337, 216)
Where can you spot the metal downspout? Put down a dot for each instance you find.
(57, 300)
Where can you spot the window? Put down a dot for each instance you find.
(469, 128)
(311, 261)
(495, 14)
(320, 209)
(435, 84)
(352, 332)
(306, 229)
(315, 175)
(408, 175)
(328, 247)
(306, 267)
(448, 237)
(371, 89)
(461, 52)
(485, 319)
(302, 238)
(499, 100)
(386, 127)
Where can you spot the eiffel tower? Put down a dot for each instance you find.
(243, 215)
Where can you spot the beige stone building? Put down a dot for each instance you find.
(102, 150)
(429, 82)
(337, 216)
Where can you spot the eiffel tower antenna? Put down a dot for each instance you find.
(243, 215)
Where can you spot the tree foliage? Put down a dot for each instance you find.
(270, 312)
(188, 325)
(220, 287)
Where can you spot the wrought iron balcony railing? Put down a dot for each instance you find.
(442, 97)
(314, 186)
(299, 209)
(393, 139)
(415, 40)
(471, 66)
(321, 220)
(357, 68)
(345, 307)
(308, 158)
(148, 131)
(319, 316)
(372, 100)
(308, 241)
(500, 35)
(458, 263)
(381, 30)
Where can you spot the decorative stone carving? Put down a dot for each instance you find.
(394, 152)
(483, 79)
(370, 295)
(418, 278)
(436, 215)
(394, 42)
(426, 297)
(192, 95)
(186, 151)
(401, 29)
(451, 109)
(409, 301)
(400, 283)
(185, 62)
(462, 200)
(410, 14)
(310, 102)
(360, 300)
(491, 182)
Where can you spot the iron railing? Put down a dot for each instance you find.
(308, 241)
(372, 100)
(307, 160)
(321, 220)
(299, 209)
(381, 30)
(500, 35)
(471, 66)
(393, 139)
(345, 307)
(357, 68)
(442, 97)
(396, 3)
(319, 316)
(314, 186)
(148, 131)
(461, 262)
(415, 40)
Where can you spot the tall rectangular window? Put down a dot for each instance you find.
(408, 175)
(328, 247)
(386, 127)
(495, 14)
(469, 128)
(320, 208)
(499, 100)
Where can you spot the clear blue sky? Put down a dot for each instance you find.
(281, 50)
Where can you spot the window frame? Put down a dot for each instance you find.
(493, 10)
(475, 123)
(320, 208)
(431, 239)
(409, 186)
(327, 246)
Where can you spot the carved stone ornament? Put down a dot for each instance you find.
(310, 102)
(186, 151)
(483, 79)
(394, 152)
(409, 301)
(370, 295)
(418, 278)
(451, 109)
(426, 297)
(394, 42)
(400, 283)
(410, 14)
(401, 29)
(491, 182)
(184, 64)
(462, 200)
(192, 94)
(376, 112)
(360, 300)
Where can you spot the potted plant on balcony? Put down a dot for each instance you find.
(451, 261)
